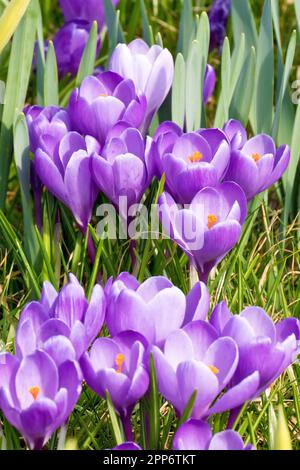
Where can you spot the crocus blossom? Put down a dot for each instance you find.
(101, 101)
(236, 134)
(154, 308)
(66, 314)
(197, 435)
(258, 164)
(150, 68)
(123, 168)
(37, 396)
(116, 365)
(265, 349)
(218, 18)
(209, 83)
(190, 161)
(209, 227)
(195, 359)
(70, 42)
(88, 10)
(66, 172)
(127, 446)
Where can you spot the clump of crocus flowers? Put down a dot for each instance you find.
(113, 340)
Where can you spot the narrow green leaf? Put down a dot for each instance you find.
(222, 112)
(51, 97)
(115, 32)
(297, 9)
(203, 38)
(243, 22)
(87, 63)
(264, 81)
(178, 91)
(282, 438)
(188, 409)
(22, 159)
(154, 408)
(40, 60)
(147, 32)
(114, 420)
(16, 88)
(193, 97)
(10, 19)
(186, 28)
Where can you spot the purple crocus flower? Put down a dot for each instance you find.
(236, 134)
(209, 83)
(150, 68)
(102, 101)
(257, 165)
(190, 161)
(46, 126)
(209, 228)
(123, 169)
(195, 359)
(36, 395)
(70, 42)
(218, 17)
(154, 308)
(65, 318)
(66, 171)
(116, 365)
(197, 435)
(88, 10)
(265, 349)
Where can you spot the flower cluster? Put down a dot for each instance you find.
(225, 360)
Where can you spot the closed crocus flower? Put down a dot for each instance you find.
(191, 161)
(88, 10)
(218, 18)
(46, 126)
(265, 349)
(195, 359)
(66, 315)
(209, 227)
(150, 68)
(258, 165)
(197, 435)
(154, 308)
(70, 42)
(236, 134)
(116, 365)
(37, 396)
(123, 169)
(102, 101)
(66, 172)
(209, 83)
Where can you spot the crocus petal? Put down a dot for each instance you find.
(197, 303)
(50, 175)
(226, 440)
(192, 435)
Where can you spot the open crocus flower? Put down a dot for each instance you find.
(66, 314)
(123, 169)
(154, 308)
(236, 134)
(195, 359)
(88, 10)
(197, 435)
(116, 365)
(102, 101)
(150, 68)
(37, 396)
(209, 228)
(265, 350)
(67, 171)
(258, 165)
(70, 42)
(46, 126)
(190, 161)
(127, 446)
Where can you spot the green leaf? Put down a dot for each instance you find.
(22, 159)
(188, 409)
(287, 71)
(10, 19)
(40, 66)
(114, 420)
(147, 31)
(243, 22)
(203, 38)
(243, 94)
(186, 28)
(178, 91)
(16, 88)
(264, 81)
(51, 97)
(222, 112)
(297, 9)
(115, 32)
(282, 438)
(154, 408)
(193, 98)
(87, 63)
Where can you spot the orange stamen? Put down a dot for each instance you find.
(195, 157)
(214, 369)
(255, 156)
(119, 362)
(34, 391)
(211, 220)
